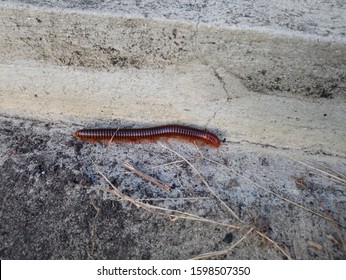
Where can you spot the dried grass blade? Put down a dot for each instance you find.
(147, 177)
(221, 252)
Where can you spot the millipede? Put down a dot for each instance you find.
(151, 134)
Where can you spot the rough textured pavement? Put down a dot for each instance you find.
(270, 81)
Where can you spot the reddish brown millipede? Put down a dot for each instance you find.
(150, 134)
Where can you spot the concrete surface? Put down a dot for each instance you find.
(326, 19)
(269, 80)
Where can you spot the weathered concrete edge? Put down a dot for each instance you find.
(196, 41)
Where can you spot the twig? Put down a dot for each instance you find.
(92, 234)
(221, 252)
(273, 193)
(147, 177)
(204, 182)
(276, 244)
(301, 184)
(320, 170)
(107, 144)
(174, 198)
(167, 164)
(338, 174)
(232, 212)
(172, 214)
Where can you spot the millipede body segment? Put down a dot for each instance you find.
(148, 134)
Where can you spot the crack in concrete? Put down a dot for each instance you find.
(228, 97)
(221, 80)
(195, 35)
(204, 61)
